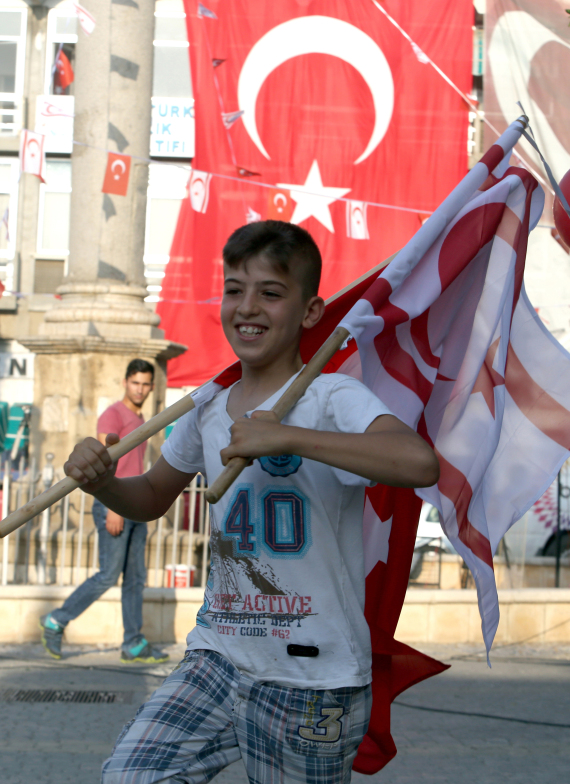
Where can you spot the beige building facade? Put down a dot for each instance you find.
(82, 270)
(39, 228)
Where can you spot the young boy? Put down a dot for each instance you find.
(278, 667)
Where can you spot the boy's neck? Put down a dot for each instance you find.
(258, 384)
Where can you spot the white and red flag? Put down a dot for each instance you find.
(86, 19)
(32, 154)
(6, 223)
(356, 223)
(527, 49)
(252, 216)
(446, 336)
(326, 101)
(199, 190)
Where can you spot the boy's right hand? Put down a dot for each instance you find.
(90, 463)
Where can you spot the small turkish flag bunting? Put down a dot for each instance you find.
(356, 223)
(279, 205)
(63, 71)
(230, 118)
(117, 174)
(6, 223)
(205, 12)
(252, 216)
(246, 172)
(32, 154)
(86, 20)
(199, 190)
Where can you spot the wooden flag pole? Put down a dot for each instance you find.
(65, 486)
(285, 403)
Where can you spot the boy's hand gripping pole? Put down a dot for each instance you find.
(285, 403)
(65, 486)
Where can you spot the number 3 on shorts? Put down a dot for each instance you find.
(330, 723)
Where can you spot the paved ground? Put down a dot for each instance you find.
(444, 728)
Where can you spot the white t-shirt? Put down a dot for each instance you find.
(287, 563)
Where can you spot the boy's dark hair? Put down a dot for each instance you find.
(286, 246)
(139, 366)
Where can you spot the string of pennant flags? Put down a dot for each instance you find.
(117, 174)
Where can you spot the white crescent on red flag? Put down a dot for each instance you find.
(117, 173)
(279, 204)
(333, 104)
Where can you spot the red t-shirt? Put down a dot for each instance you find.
(121, 420)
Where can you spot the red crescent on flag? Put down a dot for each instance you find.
(29, 144)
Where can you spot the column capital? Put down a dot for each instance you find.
(151, 348)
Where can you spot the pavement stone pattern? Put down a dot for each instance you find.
(57, 743)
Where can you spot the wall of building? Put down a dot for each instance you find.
(428, 616)
(35, 227)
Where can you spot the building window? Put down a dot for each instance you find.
(12, 64)
(61, 32)
(172, 129)
(171, 75)
(55, 197)
(167, 189)
(9, 173)
(48, 275)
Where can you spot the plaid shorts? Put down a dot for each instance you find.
(207, 715)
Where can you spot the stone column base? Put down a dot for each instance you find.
(77, 378)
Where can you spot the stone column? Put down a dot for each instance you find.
(103, 291)
(101, 322)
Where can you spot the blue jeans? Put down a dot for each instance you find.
(123, 553)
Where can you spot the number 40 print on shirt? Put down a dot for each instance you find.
(279, 520)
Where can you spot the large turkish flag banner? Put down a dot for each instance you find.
(328, 103)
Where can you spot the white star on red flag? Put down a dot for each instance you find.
(313, 198)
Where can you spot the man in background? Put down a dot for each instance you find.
(121, 541)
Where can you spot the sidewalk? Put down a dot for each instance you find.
(65, 743)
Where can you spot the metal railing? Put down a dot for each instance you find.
(60, 546)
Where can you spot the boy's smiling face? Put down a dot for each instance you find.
(264, 312)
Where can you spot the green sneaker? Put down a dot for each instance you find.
(52, 632)
(143, 652)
